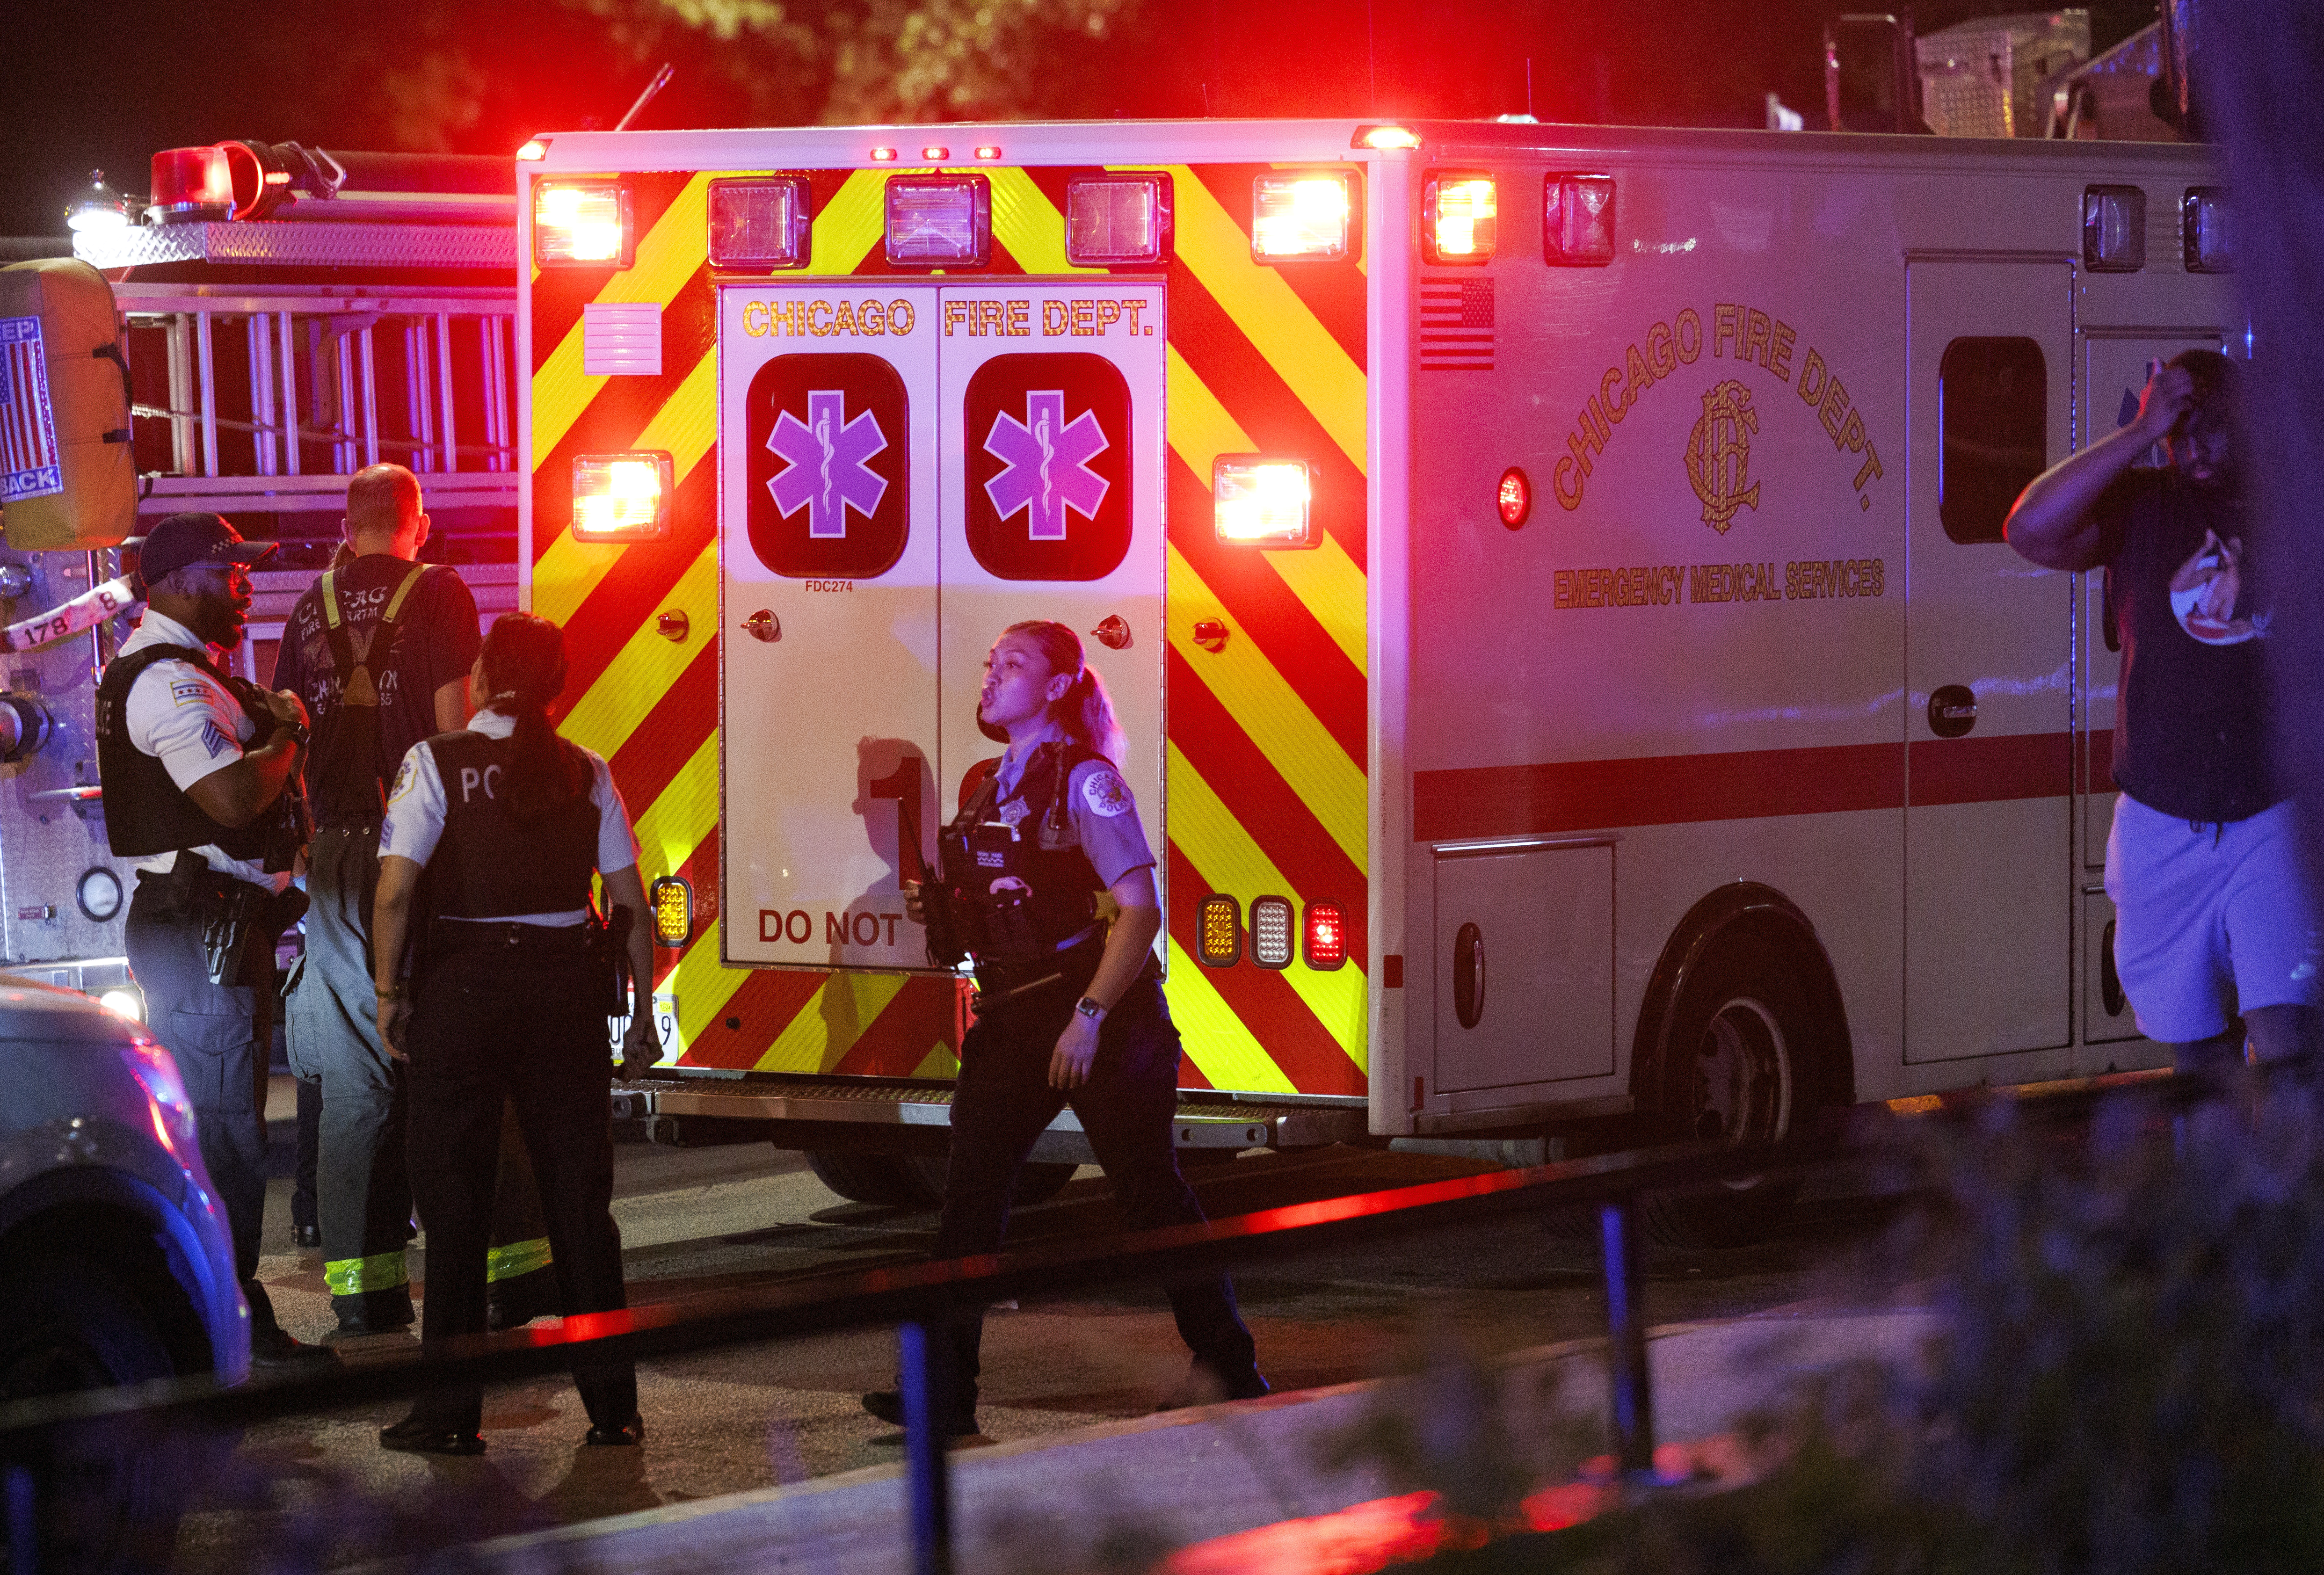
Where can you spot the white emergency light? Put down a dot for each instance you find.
(582, 224)
(2203, 230)
(622, 497)
(535, 148)
(99, 206)
(1577, 221)
(124, 1000)
(761, 223)
(1458, 218)
(1113, 220)
(1386, 138)
(1301, 217)
(1261, 501)
(1272, 939)
(2114, 229)
(940, 221)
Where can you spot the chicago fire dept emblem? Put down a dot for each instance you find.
(1719, 454)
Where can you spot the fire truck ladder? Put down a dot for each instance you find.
(267, 397)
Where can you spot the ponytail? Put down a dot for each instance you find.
(524, 672)
(1085, 711)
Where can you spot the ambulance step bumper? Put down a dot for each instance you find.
(1200, 1122)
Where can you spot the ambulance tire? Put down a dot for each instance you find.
(1036, 1184)
(1746, 1057)
(886, 1179)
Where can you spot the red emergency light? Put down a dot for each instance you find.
(1325, 942)
(192, 183)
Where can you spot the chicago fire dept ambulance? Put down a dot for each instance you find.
(1552, 579)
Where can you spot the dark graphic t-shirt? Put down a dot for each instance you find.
(435, 641)
(2191, 724)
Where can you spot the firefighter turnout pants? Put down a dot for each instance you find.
(507, 1013)
(219, 1035)
(1003, 1101)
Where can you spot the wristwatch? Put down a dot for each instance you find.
(297, 730)
(1090, 1008)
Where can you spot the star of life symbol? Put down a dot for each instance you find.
(828, 473)
(1047, 464)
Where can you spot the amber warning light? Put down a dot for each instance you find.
(620, 497)
(673, 910)
(1219, 935)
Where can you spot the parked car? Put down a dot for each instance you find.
(115, 1264)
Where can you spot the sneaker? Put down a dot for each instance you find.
(888, 1406)
(629, 1434)
(413, 1436)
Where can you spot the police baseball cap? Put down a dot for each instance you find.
(189, 539)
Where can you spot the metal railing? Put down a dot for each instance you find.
(922, 1298)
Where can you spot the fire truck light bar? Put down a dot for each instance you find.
(1113, 220)
(1383, 138)
(1260, 501)
(1458, 218)
(192, 183)
(672, 899)
(1577, 221)
(940, 221)
(2203, 230)
(622, 497)
(1325, 942)
(1270, 932)
(1300, 218)
(582, 224)
(760, 224)
(1218, 934)
(2114, 229)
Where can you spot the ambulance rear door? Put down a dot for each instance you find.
(1050, 445)
(828, 626)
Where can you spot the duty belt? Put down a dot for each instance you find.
(458, 935)
(996, 984)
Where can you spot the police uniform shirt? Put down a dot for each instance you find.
(1105, 813)
(184, 718)
(417, 805)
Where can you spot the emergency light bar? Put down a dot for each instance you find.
(760, 224)
(582, 224)
(2203, 230)
(1301, 217)
(622, 497)
(1218, 931)
(672, 900)
(192, 183)
(1113, 220)
(1324, 940)
(940, 221)
(1577, 221)
(2114, 229)
(1270, 932)
(1261, 501)
(1458, 218)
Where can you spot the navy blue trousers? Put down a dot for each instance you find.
(1003, 1102)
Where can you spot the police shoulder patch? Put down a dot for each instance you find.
(1105, 793)
(191, 692)
(404, 777)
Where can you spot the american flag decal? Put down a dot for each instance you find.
(1456, 326)
(29, 467)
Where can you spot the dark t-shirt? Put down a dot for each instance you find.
(437, 640)
(2191, 724)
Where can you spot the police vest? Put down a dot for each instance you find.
(490, 864)
(145, 812)
(1041, 848)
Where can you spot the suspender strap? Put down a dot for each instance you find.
(382, 639)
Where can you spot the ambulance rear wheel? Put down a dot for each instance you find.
(886, 1179)
(1743, 1062)
(1036, 1184)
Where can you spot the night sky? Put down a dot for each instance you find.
(94, 84)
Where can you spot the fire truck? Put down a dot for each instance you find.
(270, 319)
(1552, 579)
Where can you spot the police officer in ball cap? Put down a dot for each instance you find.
(1069, 1009)
(507, 1002)
(200, 775)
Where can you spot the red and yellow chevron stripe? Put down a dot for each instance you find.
(1266, 736)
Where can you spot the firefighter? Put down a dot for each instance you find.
(507, 1002)
(1069, 1009)
(200, 773)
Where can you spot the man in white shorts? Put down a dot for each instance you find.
(2216, 928)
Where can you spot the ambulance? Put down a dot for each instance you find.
(1551, 577)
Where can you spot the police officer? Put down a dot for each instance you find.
(1069, 1008)
(200, 774)
(508, 1001)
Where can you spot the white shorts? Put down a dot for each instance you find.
(2210, 921)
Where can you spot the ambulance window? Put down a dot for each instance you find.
(1048, 467)
(1995, 403)
(826, 454)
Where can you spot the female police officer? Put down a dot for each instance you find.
(507, 1003)
(1069, 1009)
